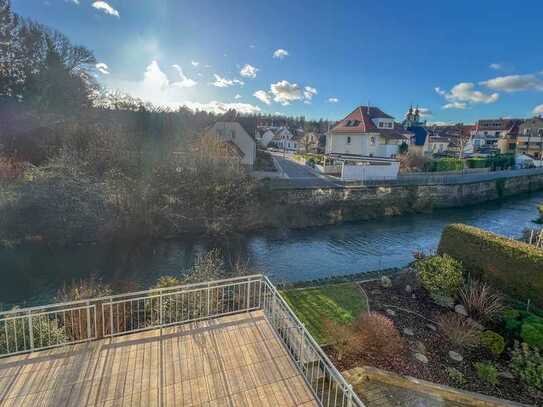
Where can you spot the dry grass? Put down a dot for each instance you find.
(480, 301)
(460, 331)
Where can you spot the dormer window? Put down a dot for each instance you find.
(381, 124)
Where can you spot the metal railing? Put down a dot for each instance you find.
(38, 328)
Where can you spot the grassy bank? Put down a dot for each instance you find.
(339, 302)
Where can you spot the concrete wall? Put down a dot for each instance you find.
(303, 207)
(370, 172)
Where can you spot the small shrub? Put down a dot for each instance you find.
(459, 330)
(480, 301)
(531, 332)
(83, 289)
(493, 341)
(487, 372)
(341, 336)
(527, 363)
(378, 334)
(456, 376)
(441, 275)
(167, 281)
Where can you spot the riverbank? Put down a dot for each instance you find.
(317, 206)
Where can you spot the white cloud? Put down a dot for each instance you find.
(194, 63)
(280, 53)
(495, 66)
(102, 68)
(425, 112)
(538, 110)
(106, 8)
(223, 107)
(455, 105)
(309, 92)
(225, 83)
(514, 83)
(183, 81)
(249, 71)
(263, 96)
(238, 96)
(252, 46)
(156, 88)
(71, 1)
(464, 93)
(285, 92)
(207, 66)
(333, 100)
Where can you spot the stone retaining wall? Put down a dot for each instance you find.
(303, 207)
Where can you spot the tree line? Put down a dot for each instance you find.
(82, 163)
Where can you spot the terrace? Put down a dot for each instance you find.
(230, 342)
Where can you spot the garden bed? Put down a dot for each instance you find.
(415, 315)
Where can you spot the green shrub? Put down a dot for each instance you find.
(532, 333)
(445, 164)
(477, 163)
(527, 363)
(480, 300)
(440, 275)
(493, 341)
(456, 376)
(487, 372)
(514, 267)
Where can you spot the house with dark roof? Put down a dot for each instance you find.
(366, 132)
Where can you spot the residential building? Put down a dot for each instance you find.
(529, 140)
(264, 136)
(366, 132)
(424, 141)
(488, 133)
(283, 139)
(239, 142)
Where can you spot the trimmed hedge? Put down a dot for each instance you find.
(445, 164)
(514, 267)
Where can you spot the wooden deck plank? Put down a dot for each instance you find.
(229, 361)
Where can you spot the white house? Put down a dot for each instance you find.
(366, 132)
(284, 140)
(264, 136)
(236, 138)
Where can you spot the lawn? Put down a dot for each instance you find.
(338, 302)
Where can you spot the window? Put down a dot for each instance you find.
(348, 139)
(389, 125)
(381, 124)
(497, 134)
(372, 140)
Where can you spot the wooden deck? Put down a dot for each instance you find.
(229, 361)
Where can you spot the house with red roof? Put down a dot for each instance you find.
(366, 132)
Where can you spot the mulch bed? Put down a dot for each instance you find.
(415, 310)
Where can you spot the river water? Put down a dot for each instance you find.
(31, 275)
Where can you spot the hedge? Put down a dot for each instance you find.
(514, 267)
(445, 164)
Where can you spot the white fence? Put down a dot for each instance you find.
(370, 172)
(38, 328)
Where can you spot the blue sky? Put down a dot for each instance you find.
(460, 60)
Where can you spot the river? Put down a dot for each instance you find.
(32, 274)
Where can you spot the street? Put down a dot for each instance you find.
(302, 176)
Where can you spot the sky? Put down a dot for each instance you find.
(459, 61)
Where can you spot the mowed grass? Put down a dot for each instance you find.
(339, 302)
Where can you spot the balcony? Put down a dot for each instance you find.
(228, 342)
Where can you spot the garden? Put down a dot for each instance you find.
(442, 319)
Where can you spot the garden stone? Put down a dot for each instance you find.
(420, 347)
(457, 357)
(421, 358)
(443, 300)
(506, 374)
(413, 296)
(390, 312)
(408, 289)
(386, 282)
(431, 327)
(460, 309)
(408, 331)
(375, 292)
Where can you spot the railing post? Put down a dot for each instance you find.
(350, 389)
(31, 330)
(248, 292)
(160, 307)
(111, 314)
(208, 299)
(88, 321)
(302, 338)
